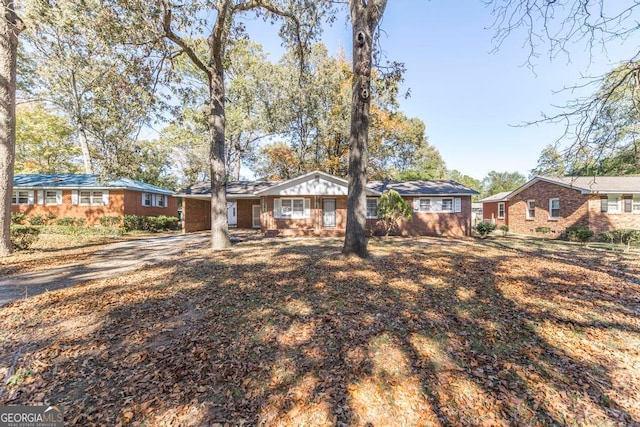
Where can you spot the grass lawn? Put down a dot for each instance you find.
(288, 332)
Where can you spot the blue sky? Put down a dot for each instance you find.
(470, 99)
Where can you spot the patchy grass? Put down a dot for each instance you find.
(288, 332)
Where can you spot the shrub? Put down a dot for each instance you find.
(36, 220)
(484, 228)
(132, 222)
(391, 208)
(24, 236)
(505, 229)
(151, 224)
(70, 230)
(50, 218)
(110, 221)
(579, 234)
(17, 217)
(543, 230)
(71, 221)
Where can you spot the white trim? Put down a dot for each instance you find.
(42, 197)
(290, 213)
(15, 198)
(366, 208)
(435, 204)
(551, 208)
(527, 211)
(277, 189)
(253, 216)
(92, 197)
(503, 210)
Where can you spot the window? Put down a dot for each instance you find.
(92, 197)
(293, 208)
(52, 197)
(531, 209)
(627, 202)
(21, 197)
(501, 210)
(636, 204)
(437, 205)
(147, 199)
(372, 207)
(554, 208)
(613, 204)
(161, 201)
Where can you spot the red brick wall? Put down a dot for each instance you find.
(439, 224)
(490, 212)
(245, 212)
(133, 205)
(196, 215)
(573, 209)
(307, 226)
(605, 221)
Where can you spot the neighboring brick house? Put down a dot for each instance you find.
(599, 203)
(316, 204)
(86, 196)
(495, 208)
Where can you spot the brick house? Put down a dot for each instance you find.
(86, 196)
(495, 208)
(316, 203)
(599, 203)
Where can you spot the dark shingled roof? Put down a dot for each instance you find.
(63, 180)
(421, 188)
(234, 188)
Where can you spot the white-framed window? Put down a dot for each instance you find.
(437, 204)
(627, 204)
(554, 208)
(22, 197)
(292, 208)
(636, 204)
(93, 197)
(501, 210)
(372, 208)
(613, 204)
(161, 200)
(531, 209)
(147, 199)
(50, 197)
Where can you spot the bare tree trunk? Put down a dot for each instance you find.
(219, 226)
(84, 146)
(9, 30)
(365, 17)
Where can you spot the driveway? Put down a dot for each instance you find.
(115, 259)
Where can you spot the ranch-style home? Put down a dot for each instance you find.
(86, 196)
(494, 208)
(315, 204)
(600, 204)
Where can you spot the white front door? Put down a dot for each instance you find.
(255, 216)
(232, 213)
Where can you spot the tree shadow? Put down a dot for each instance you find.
(291, 333)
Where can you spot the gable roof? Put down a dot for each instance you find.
(422, 188)
(589, 184)
(322, 179)
(76, 181)
(498, 197)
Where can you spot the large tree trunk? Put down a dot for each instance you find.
(364, 19)
(84, 147)
(219, 226)
(9, 30)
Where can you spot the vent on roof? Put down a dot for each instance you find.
(57, 180)
(317, 177)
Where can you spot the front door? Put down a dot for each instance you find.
(255, 216)
(328, 212)
(232, 213)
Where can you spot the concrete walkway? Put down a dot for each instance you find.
(115, 259)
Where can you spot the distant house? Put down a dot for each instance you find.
(599, 203)
(495, 208)
(86, 196)
(316, 203)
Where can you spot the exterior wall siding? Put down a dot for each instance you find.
(121, 202)
(245, 212)
(196, 215)
(574, 210)
(447, 224)
(490, 213)
(307, 226)
(600, 222)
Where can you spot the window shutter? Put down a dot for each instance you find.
(457, 204)
(105, 197)
(74, 197)
(603, 204)
(40, 197)
(31, 198)
(416, 205)
(277, 203)
(307, 208)
(59, 197)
